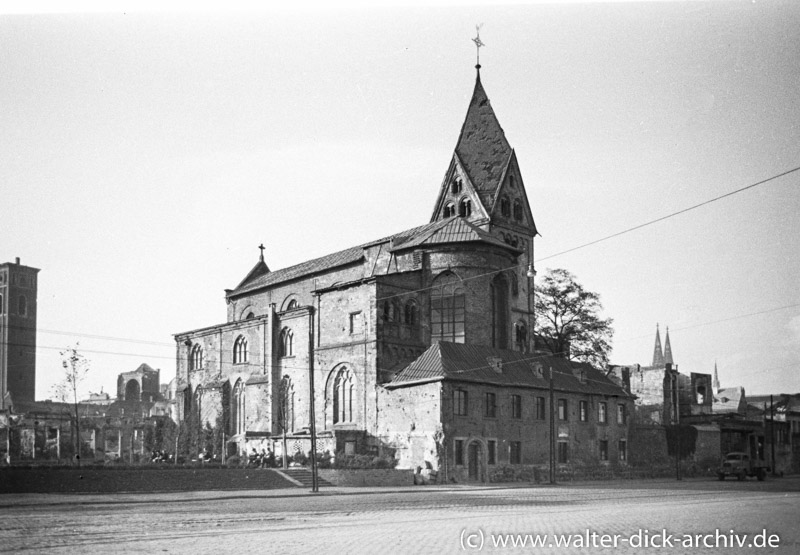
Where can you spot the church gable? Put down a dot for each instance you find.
(457, 196)
(510, 206)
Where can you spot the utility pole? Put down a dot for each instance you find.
(314, 477)
(772, 433)
(678, 434)
(552, 431)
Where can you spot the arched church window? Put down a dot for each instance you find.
(287, 343)
(196, 358)
(456, 185)
(292, 304)
(521, 336)
(240, 354)
(517, 210)
(250, 316)
(505, 207)
(343, 395)
(449, 210)
(411, 313)
(447, 308)
(514, 284)
(511, 182)
(499, 294)
(464, 207)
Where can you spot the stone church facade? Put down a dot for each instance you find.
(374, 335)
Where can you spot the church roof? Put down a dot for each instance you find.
(728, 399)
(482, 147)
(473, 363)
(451, 230)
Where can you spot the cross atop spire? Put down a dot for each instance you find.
(478, 43)
(261, 248)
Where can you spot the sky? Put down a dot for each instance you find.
(145, 155)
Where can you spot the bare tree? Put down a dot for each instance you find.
(76, 368)
(568, 319)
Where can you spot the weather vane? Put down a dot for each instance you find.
(478, 43)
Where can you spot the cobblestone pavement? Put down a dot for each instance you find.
(438, 519)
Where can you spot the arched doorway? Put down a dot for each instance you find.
(475, 461)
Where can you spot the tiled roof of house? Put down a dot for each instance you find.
(727, 399)
(482, 147)
(474, 363)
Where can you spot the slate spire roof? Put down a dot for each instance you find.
(482, 147)
(658, 354)
(667, 349)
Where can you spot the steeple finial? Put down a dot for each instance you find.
(261, 248)
(478, 43)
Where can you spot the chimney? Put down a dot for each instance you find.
(18, 261)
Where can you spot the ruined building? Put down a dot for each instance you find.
(416, 345)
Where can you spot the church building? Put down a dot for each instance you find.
(417, 345)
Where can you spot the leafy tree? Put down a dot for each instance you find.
(568, 319)
(76, 368)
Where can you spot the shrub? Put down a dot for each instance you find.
(364, 461)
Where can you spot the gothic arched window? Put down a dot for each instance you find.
(456, 185)
(240, 354)
(343, 395)
(287, 343)
(196, 357)
(521, 336)
(286, 407)
(447, 309)
(499, 291)
(411, 313)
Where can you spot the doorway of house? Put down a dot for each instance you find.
(474, 456)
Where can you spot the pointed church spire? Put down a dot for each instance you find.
(258, 270)
(667, 349)
(715, 383)
(658, 354)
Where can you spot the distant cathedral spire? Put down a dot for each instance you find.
(667, 350)
(715, 383)
(658, 354)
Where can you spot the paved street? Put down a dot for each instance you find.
(414, 520)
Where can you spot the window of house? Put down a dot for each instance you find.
(563, 452)
(515, 452)
(240, 354)
(489, 405)
(701, 394)
(287, 343)
(355, 322)
(623, 450)
(583, 407)
(449, 210)
(622, 414)
(491, 455)
(447, 309)
(460, 402)
(459, 452)
(603, 450)
(602, 413)
(196, 357)
(562, 409)
(22, 305)
(517, 210)
(540, 409)
(516, 406)
(464, 207)
(505, 207)
(343, 390)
